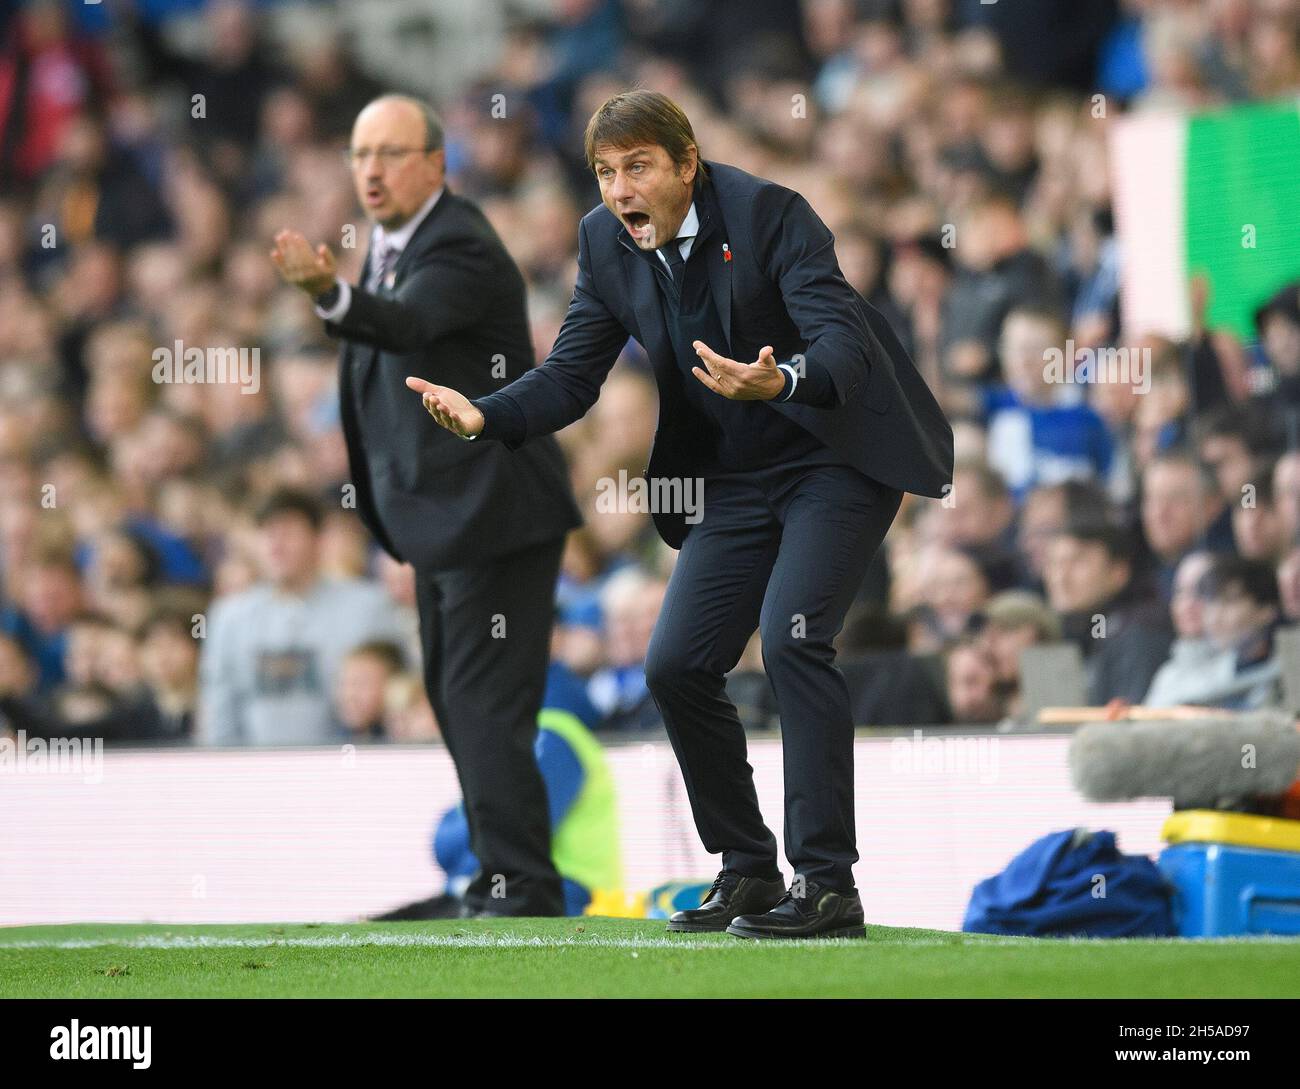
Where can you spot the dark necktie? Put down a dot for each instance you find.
(676, 262)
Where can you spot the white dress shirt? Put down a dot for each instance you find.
(685, 236)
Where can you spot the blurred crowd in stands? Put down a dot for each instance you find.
(150, 150)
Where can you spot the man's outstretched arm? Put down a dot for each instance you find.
(550, 396)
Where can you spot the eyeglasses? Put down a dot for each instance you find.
(388, 156)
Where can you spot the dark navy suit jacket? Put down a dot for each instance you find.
(454, 315)
(781, 286)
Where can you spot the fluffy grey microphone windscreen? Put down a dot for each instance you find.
(1200, 763)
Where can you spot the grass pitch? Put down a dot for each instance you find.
(618, 958)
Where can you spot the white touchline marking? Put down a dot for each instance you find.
(507, 940)
(463, 941)
(483, 941)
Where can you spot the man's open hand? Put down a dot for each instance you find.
(759, 381)
(451, 409)
(313, 271)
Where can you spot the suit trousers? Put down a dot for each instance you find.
(783, 549)
(485, 630)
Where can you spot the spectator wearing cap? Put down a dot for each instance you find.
(1124, 634)
(273, 652)
(1015, 620)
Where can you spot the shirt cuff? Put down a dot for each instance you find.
(791, 380)
(341, 304)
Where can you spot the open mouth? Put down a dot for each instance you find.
(637, 223)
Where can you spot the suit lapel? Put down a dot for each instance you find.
(403, 258)
(421, 237)
(363, 357)
(712, 238)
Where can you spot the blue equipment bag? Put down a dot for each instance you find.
(1074, 883)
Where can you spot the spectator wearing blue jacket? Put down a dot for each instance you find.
(1040, 428)
(51, 597)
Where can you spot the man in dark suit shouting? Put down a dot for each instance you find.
(795, 404)
(483, 526)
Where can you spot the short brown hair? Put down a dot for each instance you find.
(286, 500)
(382, 650)
(641, 117)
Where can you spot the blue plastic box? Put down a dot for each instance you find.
(1220, 889)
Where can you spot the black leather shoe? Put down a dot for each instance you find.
(731, 894)
(820, 912)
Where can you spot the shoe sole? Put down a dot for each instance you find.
(695, 928)
(709, 928)
(837, 932)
